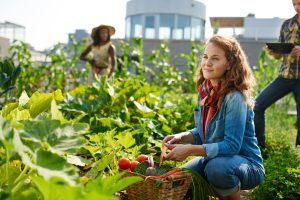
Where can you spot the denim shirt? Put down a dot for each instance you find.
(230, 132)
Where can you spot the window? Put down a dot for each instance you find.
(149, 27)
(127, 34)
(183, 25)
(166, 26)
(136, 26)
(196, 28)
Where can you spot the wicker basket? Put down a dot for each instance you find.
(171, 187)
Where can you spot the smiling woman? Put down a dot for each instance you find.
(223, 141)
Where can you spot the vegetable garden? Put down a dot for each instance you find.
(62, 133)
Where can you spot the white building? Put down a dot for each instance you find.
(4, 47)
(262, 28)
(249, 27)
(165, 19)
(12, 31)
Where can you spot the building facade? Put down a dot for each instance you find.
(165, 19)
(12, 31)
(4, 47)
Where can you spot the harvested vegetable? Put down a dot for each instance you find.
(133, 165)
(142, 158)
(124, 163)
(150, 171)
(163, 154)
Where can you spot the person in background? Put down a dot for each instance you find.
(103, 58)
(224, 142)
(288, 79)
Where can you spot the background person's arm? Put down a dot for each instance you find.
(83, 55)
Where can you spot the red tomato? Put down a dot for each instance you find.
(142, 158)
(133, 165)
(124, 163)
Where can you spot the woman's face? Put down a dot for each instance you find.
(214, 63)
(103, 34)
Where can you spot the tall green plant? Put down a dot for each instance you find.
(64, 70)
(266, 71)
(138, 51)
(8, 75)
(164, 74)
(192, 60)
(32, 73)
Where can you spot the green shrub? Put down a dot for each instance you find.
(282, 166)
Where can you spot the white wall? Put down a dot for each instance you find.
(182, 7)
(4, 47)
(260, 28)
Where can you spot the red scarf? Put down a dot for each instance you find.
(209, 102)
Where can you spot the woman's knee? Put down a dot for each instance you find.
(220, 176)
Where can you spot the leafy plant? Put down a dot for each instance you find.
(9, 73)
(282, 165)
(200, 189)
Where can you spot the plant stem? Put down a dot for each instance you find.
(22, 174)
(7, 159)
(18, 183)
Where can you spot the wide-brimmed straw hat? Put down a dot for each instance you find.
(111, 29)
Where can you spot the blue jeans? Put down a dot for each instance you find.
(227, 174)
(274, 91)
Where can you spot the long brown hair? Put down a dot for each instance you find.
(238, 77)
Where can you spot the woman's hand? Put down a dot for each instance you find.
(172, 139)
(179, 152)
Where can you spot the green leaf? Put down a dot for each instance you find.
(100, 165)
(111, 90)
(8, 108)
(60, 138)
(81, 89)
(6, 132)
(23, 100)
(51, 165)
(40, 130)
(47, 164)
(77, 160)
(56, 188)
(7, 180)
(142, 108)
(58, 95)
(109, 123)
(29, 194)
(39, 103)
(19, 115)
(55, 113)
(113, 184)
(125, 139)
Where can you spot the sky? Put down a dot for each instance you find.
(49, 21)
